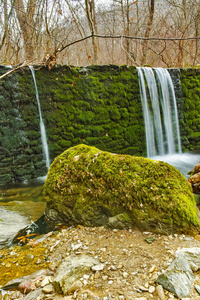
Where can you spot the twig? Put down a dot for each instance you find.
(128, 54)
(25, 63)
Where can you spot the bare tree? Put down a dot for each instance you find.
(91, 17)
(151, 6)
(25, 18)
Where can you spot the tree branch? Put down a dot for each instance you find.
(128, 37)
(25, 63)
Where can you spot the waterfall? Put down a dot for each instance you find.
(42, 127)
(160, 111)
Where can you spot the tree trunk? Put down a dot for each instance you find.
(148, 30)
(197, 32)
(26, 22)
(91, 17)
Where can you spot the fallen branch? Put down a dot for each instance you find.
(25, 63)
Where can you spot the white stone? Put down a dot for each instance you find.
(46, 281)
(151, 289)
(160, 292)
(99, 267)
(125, 274)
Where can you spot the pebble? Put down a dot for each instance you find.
(110, 282)
(99, 267)
(46, 281)
(197, 287)
(48, 289)
(160, 292)
(142, 288)
(76, 285)
(152, 269)
(29, 258)
(151, 289)
(125, 274)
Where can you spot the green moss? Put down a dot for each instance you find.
(190, 81)
(93, 185)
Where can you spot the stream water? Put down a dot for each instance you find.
(20, 205)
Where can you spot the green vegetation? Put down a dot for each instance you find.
(190, 82)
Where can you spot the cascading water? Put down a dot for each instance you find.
(42, 127)
(160, 111)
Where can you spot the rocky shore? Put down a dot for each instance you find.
(125, 264)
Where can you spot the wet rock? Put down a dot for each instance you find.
(70, 270)
(178, 278)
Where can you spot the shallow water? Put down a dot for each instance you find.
(184, 162)
(20, 205)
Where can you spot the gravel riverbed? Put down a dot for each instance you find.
(130, 262)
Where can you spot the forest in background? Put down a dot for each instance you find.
(158, 33)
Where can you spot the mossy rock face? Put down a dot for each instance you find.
(92, 187)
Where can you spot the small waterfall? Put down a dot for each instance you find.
(42, 127)
(160, 111)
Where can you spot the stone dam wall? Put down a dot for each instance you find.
(97, 105)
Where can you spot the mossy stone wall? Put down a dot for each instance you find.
(99, 106)
(190, 83)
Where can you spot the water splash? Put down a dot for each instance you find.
(160, 111)
(42, 127)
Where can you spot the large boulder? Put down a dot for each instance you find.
(92, 187)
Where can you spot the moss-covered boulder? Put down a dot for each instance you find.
(92, 187)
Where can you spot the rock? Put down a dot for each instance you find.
(118, 222)
(33, 295)
(27, 286)
(151, 289)
(177, 278)
(76, 285)
(104, 189)
(46, 281)
(48, 289)
(32, 277)
(29, 258)
(72, 268)
(99, 267)
(160, 292)
(192, 255)
(197, 287)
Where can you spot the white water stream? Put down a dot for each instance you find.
(160, 111)
(42, 127)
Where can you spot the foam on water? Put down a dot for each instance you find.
(184, 162)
